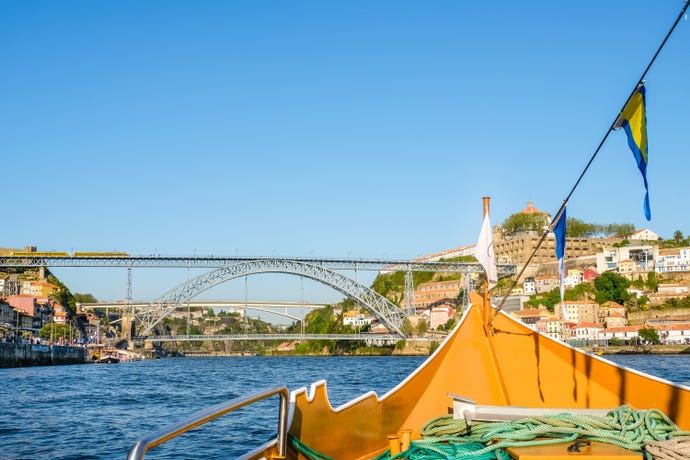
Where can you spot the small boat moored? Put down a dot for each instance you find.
(107, 359)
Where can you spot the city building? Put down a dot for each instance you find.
(356, 319)
(667, 292)
(440, 316)
(585, 333)
(59, 314)
(443, 255)
(529, 286)
(11, 285)
(512, 303)
(578, 311)
(643, 235)
(531, 316)
(674, 334)
(554, 327)
(612, 314)
(8, 317)
(673, 260)
(437, 292)
(39, 309)
(546, 283)
(625, 334)
(643, 256)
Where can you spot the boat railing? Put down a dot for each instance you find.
(171, 431)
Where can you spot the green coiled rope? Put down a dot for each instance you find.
(623, 427)
(421, 450)
(452, 439)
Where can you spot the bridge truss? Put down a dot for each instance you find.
(383, 309)
(158, 261)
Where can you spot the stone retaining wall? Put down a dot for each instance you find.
(639, 317)
(25, 354)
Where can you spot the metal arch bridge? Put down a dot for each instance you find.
(320, 269)
(383, 309)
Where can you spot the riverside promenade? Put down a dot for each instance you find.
(28, 354)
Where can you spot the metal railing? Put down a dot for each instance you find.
(171, 431)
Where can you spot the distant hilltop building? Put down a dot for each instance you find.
(530, 209)
(643, 235)
(516, 249)
(447, 254)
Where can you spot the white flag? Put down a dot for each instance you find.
(484, 252)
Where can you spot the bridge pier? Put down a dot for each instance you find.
(127, 325)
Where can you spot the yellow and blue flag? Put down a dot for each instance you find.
(559, 232)
(634, 121)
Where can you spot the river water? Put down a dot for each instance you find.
(99, 411)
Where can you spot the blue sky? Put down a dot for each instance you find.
(332, 129)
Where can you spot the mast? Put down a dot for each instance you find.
(486, 304)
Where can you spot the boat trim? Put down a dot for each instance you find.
(311, 393)
(171, 431)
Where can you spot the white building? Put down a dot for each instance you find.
(673, 260)
(573, 278)
(356, 319)
(624, 334)
(529, 287)
(644, 257)
(676, 333)
(553, 327)
(643, 235)
(586, 332)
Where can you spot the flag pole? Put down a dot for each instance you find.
(486, 304)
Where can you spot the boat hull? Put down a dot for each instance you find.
(506, 363)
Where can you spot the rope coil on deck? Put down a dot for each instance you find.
(672, 449)
(648, 431)
(444, 437)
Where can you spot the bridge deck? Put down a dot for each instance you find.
(282, 337)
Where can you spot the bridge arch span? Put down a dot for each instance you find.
(383, 309)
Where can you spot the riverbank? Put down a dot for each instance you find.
(28, 354)
(646, 349)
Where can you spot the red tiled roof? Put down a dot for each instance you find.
(530, 209)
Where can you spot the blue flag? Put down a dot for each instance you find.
(633, 120)
(559, 232)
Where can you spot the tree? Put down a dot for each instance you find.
(643, 301)
(53, 331)
(84, 298)
(623, 230)
(648, 334)
(576, 228)
(63, 296)
(678, 237)
(518, 223)
(406, 326)
(611, 286)
(639, 282)
(652, 282)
